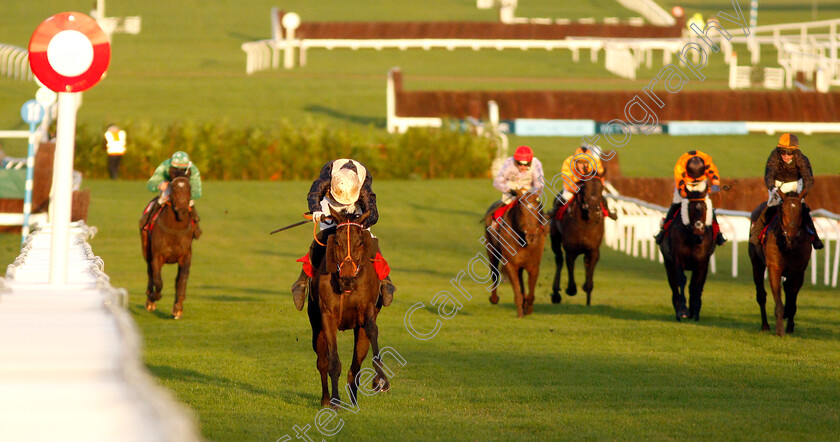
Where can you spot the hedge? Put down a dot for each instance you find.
(287, 151)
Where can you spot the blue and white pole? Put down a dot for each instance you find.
(32, 114)
(753, 14)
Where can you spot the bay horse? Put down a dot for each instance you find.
(345, 296)
(785, 252)
(579, 232)
(169, 242)
(689, 245)
(518, 246)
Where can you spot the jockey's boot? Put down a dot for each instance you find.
(720, 238)
(671, 212)
(613, 216)
(758, 225)
(195, 218)
(299, 290)
(386, 287)
(809, 226)
(386, 290)
(316, 253)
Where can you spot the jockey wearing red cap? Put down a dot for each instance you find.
(344, 186)
(521, 171)
(694, 171)
(787, 170)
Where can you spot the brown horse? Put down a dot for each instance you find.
(507, 246)
(345, 295)
(689, 247)
(785, 253)
(579, 232)
(170, 242)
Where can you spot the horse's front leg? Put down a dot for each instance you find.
(156, 283)
(319, 345)
(512, 272)
(675, 277)
(150, 286)
(571, 287)
(360, 351)
(380, 382)
(330, 325)
(792, 285)
(494, 269)
(758, 268)
(557, 248)
(590, 259)
(533, 275)
(775, 277)
(695, 290)
(181, 285)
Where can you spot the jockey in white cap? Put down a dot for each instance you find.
(344, 185)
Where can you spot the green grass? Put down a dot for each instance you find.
(620, 369)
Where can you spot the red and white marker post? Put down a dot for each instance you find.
(68, 53)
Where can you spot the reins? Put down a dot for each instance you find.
(163, 226)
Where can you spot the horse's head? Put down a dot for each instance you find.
(527, 219)
(697, 214)
(791, 218)
(590, 195)
(180, 194)
(348, 248)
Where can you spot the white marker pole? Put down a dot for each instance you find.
(30, 167)
(62, 186)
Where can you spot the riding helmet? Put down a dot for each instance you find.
(180, 160)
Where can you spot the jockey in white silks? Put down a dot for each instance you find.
(343, 185)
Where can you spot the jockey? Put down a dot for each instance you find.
(787, 170)
(179, 165)
(344, 185)
(521, 171)
(578, 167)
(693, 169)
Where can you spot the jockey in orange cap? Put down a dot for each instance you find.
(694, 170)
(579, 165)
(787, 170)
(521, 171)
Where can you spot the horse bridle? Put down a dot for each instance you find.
(349, 258)
(699, 200)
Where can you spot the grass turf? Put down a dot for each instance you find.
(620, 369)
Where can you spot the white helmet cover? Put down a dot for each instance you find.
(345, 186)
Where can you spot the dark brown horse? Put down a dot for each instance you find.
(785, 253)
(579, 232)
(170, 242)
(345, 296)
(518, 245)
(689, 247)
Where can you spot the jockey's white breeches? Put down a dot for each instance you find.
(678, 199)
(774, 199)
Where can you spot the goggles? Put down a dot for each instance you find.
(524, 163)
(786, 150)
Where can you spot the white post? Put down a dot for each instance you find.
(62, 186)
(390, 103)
(30, 167)
(100, 9)
(290, 22)
(733, 69)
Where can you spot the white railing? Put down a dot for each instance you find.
(71, 366)
(14, 62)
(650, 10)
(620, 61)
(638, 221)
